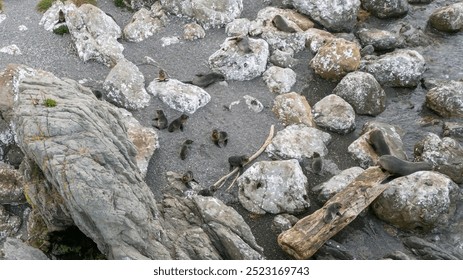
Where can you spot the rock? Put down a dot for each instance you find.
(448, 18)
(167, 41)
(337, 15)
(298, 141)
(446, 99)
(283, 222)
(208, 13)
(380, 39)
(364, 154)
(15, 249)
(413, 36)
(420, 1)
(50, 17)
(253, 103)
(279, 80)
(386, 8)
(179, 96)
(335, 59)
(276, 38)
(317, 38)
(273, 187)
(145, 140)
(243, 60)
(336, 184)
(11, 186)
(293, 108)
(138, 4)
(125, 86)
(453, 129)
(333, 250)
(9, 224)
(238, 27)
(11, 50)
(81, 148)
(362, 92)
(335, 114)
(421, 201)
(401, 68)
(283, 59)
(145, 23)
(193, 31)
(397, 255)
(14, 156)
(367, 50)
(94, 34)
(427, 250)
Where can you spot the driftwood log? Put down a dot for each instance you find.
(311, 232)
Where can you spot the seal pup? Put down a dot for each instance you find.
(61, 17)
(317, 163)
(219, 137)
(162, 76)
(178, 123)
(160, 121)
(401, 167)
(281, 24)
(378, 142)
(205, 80)
(187, 178)
(237, 161)
(185, 148)
(331, 212)
(242, 42)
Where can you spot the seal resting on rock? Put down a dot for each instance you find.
(401, 167)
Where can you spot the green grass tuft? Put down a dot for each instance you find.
(1, 5)
(78, 3)
(44, 5)
(119, 3)
(63, 29)
(49, 102)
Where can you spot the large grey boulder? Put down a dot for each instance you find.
(145, 23)
(298, 141)
(423, 200)
(179, 96)
(446, 99)
(335, 114)
(448, 18)
(279, 80)
(273, 187)
(386, 8)
(125, 86)
(293, 108)
(363, 92)
(208, 13)
(336, 184)
(94, 34)
(401, 68)
(15, 249)
(335, 15)
(240, 58)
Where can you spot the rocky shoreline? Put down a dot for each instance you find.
(346, 87)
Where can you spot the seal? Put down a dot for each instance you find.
(331, 212)
(317, 163)
(401, 167)
(205, 80)
(378, 142)
(219, 137)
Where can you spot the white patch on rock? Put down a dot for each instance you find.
(253, 103)
(11, 50)
(167, 41)
(22, 28)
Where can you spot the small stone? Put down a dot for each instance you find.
(334, 114)
(193, 31)
(279, 80)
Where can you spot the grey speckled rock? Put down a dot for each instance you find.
(15, 249)
(125, 86)
(237, 64)
(335, 59)
(423, 200)
(336, 184)
(335, 114)
(298, 141)
(145, 23)
(283, 222)
(137, 4)
(208, 13)
(446, 99)
(363, 92)
(283, 59)
(453, 129)
(448, 18)
(82, 149)
(386, 8)
(94, 34)
(9, 224)
(238, 27)
(364, 154)
(279, 80)
(293, 108)
(335, 15)
(379, 39)
(317, 38)
(179, 96)
(273, 187)
(401, 68)
(193, 31)
(11, 186)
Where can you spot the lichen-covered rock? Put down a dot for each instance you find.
(336, 184)
(138, 4)
(317, 38)
(11, 186)
(364, 154)
(380, 39)
(94, 34)
(273, 187)
(208, 13)
(448, 18)
(279, 80)
(421, 201)
(293, 108)
(125, 86)
(283, 222)
(335, 114)
(386, 8)
(179, 96)
(363, 92)
(297, 141)
(15, 249)
(335, 15)
(240, 58)
(145, 23)
(283, 59)
(401, 68)
(238, 27)
(335, 59)
(193, 31)
(9, 224)
(453, 129)
(446, 99)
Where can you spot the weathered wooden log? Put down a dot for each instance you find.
(311, 232)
